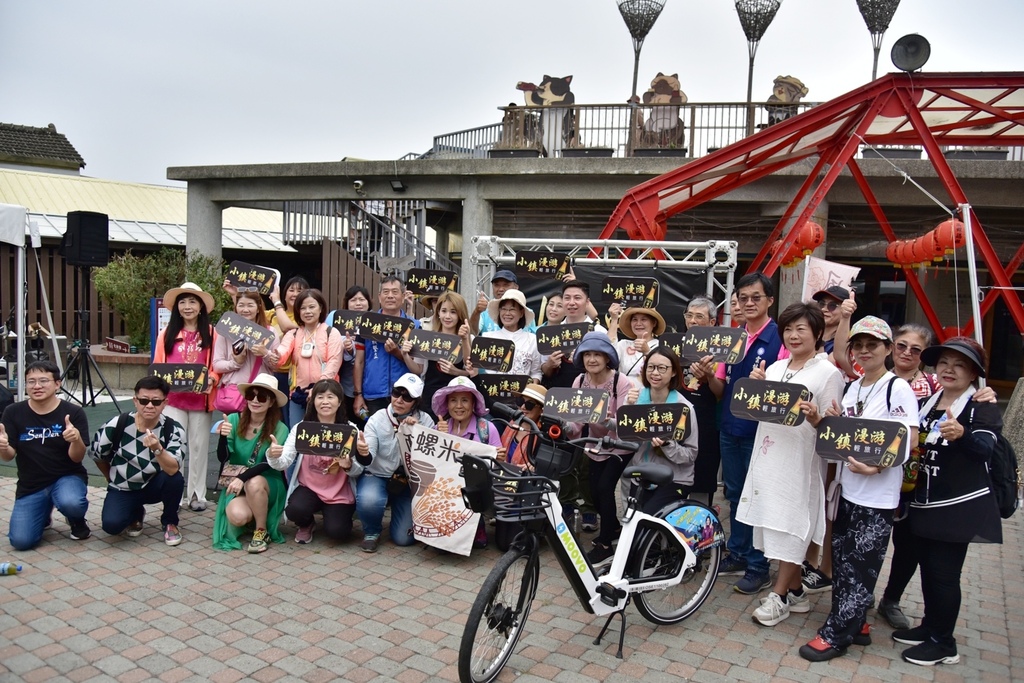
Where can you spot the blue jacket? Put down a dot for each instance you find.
(766, 347)
(381, 369)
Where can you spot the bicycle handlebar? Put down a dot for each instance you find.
(554, 430)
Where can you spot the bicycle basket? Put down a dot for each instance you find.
(477, 494)
(520, 498)
(553, 459)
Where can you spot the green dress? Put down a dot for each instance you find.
(225, 535)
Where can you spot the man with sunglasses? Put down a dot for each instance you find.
(43, 435)
(831, 300)
(140, 454)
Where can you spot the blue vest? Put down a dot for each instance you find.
(766, 347)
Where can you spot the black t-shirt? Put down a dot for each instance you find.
(41, 451)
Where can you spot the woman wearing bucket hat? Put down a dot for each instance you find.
(953, 504)
(460, 408)
(319, 483)
(189, 338)
(597, 361)
(516, 321)
(868, 494)
(384, 481)
(641, 327)
(256, 496)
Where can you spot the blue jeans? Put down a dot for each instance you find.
(121, 508)
(295, 413)
(31, 512)
(736, 451)
(371, 499)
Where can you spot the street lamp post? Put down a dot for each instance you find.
(877, 15)
(639, 16)
(755, 16)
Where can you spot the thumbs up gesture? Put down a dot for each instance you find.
(951, 430)
(361, 447)
(849, 307)
(758, 371)
(5, 443)
(833, 409)
(275, 449)
(71, 435)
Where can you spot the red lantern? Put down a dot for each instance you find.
(890, 253)
(903, 256)
(950, 235)
(809, 237)
(920, 251)
(933, 247)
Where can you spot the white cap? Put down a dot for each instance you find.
(411, 383)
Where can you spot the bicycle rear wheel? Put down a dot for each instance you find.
(657, 555)
(498, 616)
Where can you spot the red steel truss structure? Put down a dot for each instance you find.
(930, 109)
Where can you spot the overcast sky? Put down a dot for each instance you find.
(139, 86)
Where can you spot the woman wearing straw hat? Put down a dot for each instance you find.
(189, 338)
(516, 320)
(641, 327)
(256, 496)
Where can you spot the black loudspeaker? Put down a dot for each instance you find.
(85, 242)
(910, 52)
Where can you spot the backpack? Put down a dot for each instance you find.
(166, 433)
(1005, 475)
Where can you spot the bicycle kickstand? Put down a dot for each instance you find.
(622, 631)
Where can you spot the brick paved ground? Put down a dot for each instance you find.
(133, 609)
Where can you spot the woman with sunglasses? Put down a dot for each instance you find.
(256, 497)
(313, 350)
(662, 379)
(384, 481)
(189, 338)
(237, 362)
(319, 483)
(450, 317)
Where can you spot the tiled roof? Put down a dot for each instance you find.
(38, 146)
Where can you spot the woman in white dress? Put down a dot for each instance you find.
(783, 497)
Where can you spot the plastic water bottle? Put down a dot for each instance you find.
(9, 568)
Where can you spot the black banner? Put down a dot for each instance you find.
(184, 378)
(435, 345)
(764, 401)
(492, 354)
(666, 421)
(638, 292)
(564, 338)
(577, 405)
(872, 442)
(543, 265)
(423, 282)
(726, 344)
(235, 327)
(499, 388)
(242, 274)
(319, 438)
(380, 327)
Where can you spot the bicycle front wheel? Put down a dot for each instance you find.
(657, 555)
(498, 616)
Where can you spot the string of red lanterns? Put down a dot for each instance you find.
(931, 247)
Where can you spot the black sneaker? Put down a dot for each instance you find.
(930, 653)
(79, 529)
(752, 583)
(911, 636)
(816, 582)
(600, 553)
(730, 565)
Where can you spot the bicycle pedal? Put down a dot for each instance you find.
(610, 595)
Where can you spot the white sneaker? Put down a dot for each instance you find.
(798, 603)
(772, 610)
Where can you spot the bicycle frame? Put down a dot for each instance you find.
(585, 581)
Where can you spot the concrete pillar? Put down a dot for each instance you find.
(477, 221)
(204, 231)
(791, 280)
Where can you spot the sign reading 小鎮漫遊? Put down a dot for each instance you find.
(880, 443)
(183, 377)
(577, 405)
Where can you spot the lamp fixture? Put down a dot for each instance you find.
(397, 185)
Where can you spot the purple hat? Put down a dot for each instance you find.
(439, 403)
(596, 341)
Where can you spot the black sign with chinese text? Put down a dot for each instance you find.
(235, 327)
(423, 282)
(631, 292)
(726, 344)
(348, 322)
(542, 264)
(643, 422)
(380, 327)
(184, 378)
(435, 345)
(764, 401)
(872, 442)
(319, 438)
(492, 354)
(497, 387)
(565, 337)
(242, 274)
(577, 405)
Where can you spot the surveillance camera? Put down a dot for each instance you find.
(357, 185)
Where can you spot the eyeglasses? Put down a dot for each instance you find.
(530, 405)
(247, 289)
(696, 316)
(38, 382)
(402, 394)
(829, 304)
(257, 395)
(907, 348)
(660, 369)
(756, 299)
(156, 402)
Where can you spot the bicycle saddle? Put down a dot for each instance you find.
(649, 473)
